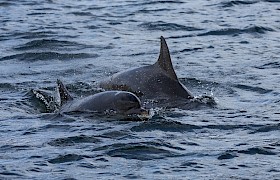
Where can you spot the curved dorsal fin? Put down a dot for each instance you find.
(164, 60)
(64, 95)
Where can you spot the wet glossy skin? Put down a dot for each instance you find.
(119, 101)
(156, 82)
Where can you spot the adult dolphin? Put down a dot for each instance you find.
(156, 85)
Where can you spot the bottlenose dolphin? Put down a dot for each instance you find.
(108, 102)
(122, 104)
(156, 85)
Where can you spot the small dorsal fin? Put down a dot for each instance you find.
(164, 60)
(63, 93)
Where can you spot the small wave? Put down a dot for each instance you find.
(70, 141)
(163, 26)
(275, 144)
(39, 14)
(230, 154)
(7, 86)
(267, 128)
(34, 35)
(152, 10)
(257, 150)
(237, 3)
(167, 126)
(235, 31)
(115, 134)
(139, 152)
(271, 65)
(10, 175)
(56, 126)
(92, 27)
(272, 1)
(6, 4)
(254, 30)
(227, 155)
(6, 148)
(82, 13)
(35, 56)
(158, 2)
(142, 151)
(65, 158)
(191, 49)
(253, 89)
(46, 44)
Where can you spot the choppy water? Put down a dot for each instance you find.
(228, 48)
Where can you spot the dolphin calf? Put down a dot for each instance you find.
(108, 102)
(156, 84)
(122, 104)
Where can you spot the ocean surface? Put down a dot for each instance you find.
(228, 49)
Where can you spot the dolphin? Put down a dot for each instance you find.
(120, 104)
(109, 102)
(156, 84)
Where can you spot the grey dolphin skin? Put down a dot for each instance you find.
(118, 102)
(156, 82)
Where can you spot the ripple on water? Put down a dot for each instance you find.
(65, 158)
(270, 65)
(252, 30)
(237, 3)
(141, 151)
(267, 128)
(166, 126)
(73, 140)
(163, 26)
(52, 44)
(236, 31)
(43, 56)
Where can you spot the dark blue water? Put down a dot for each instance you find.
(228, 49)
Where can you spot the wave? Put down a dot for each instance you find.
(267, 128)
(152, 10)
(36, 56)
(272, 1)
(46, 43)
(149, 3)
(254, 30)
(70, 141)
(14, 147)
(82, 13)
(163, 26)
(65, 158)
(167, 126)
(229, 87)
(236, 3)
(227, 155)
(252, 88)
(6, 4)
(57, 45)
(270, 65)
(257, 150)
(33, 35)
(236, 31)
(11, 175)
(230, 154)
(141, 151)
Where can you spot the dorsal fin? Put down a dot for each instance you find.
(63, 93)
(164, 60)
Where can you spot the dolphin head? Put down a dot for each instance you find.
(129, 104)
